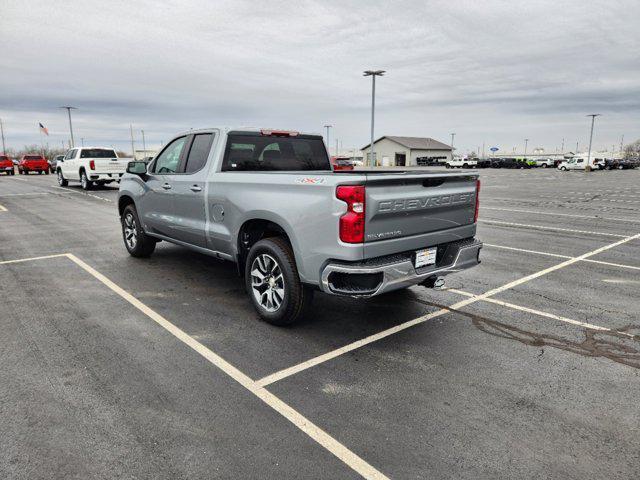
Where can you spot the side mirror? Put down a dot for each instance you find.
(137, 168)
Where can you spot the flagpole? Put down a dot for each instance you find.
(41, 142)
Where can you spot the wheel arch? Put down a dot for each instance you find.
(254, 229)
(123, 202)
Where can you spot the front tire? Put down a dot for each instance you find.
(137, 243)
(273, 283)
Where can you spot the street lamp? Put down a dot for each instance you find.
(69, 108)
(144, 144)
(526, 142)
(328, 144)
(373, 74)
(452, 137)
(593, 119)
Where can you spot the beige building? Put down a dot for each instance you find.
(407, 151)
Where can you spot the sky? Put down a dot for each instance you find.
(494, 72)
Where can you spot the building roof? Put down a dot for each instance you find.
(415, 143)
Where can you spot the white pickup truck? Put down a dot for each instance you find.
(90, 166)
(465, 162)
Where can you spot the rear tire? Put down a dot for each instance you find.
(85, 182)
(137, 243)
(63, 182)
(273, 284)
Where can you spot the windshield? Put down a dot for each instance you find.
(33, 157)
(249, 151)
(97, 153)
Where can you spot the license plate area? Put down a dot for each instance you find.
(425, 257)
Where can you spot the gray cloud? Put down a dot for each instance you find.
(493, 72)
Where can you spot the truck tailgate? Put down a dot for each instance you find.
(410, 211)
(109, 165)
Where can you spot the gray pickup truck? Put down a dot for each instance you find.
(269, 201)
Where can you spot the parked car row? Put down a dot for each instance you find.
(87, 165)
(28, 163)
(580, 163)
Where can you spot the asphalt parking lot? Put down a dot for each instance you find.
(524, 367)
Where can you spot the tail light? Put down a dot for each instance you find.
(92, 165)
(352, 222)
(475, 215)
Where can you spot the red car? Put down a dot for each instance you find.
(33, 163)
(6, 165)
(341, 163)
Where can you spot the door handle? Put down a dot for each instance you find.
(166, 186)
(196, 188)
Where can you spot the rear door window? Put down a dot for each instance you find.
(199, 152)
(251, 151)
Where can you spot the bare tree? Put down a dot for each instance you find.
(632, 151)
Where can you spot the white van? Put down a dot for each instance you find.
(576, 163)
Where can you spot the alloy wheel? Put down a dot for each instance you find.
(267, 282)
(130, 231)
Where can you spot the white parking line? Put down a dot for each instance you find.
(3, 209)
(543, 314)
(287, 372)
(543, 227)
(526, 251)
(570, 215)
(316, 433)
(82, 193)
(20, 260)
(23, 194)
(589, 260)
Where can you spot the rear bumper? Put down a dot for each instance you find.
(385, 274)
(105, 177)
(26, 168)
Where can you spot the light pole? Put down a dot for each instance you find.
(133, 148)
(82, 141)
(328, 144)
(373, 74)
(144, 144)
(593, 120)
(621, 142)
(526, 143)
(2, 131)
(69, 108)
(562, 147)
(452, 137)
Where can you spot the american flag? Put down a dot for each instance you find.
(44, 129)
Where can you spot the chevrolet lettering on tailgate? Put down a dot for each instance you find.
(424, 203)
